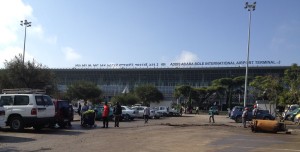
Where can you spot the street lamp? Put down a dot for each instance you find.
(250, 8)
(26, 24)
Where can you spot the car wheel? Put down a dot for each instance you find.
(16, 124)
(238, 119)
(266, 118)
(165, 114)
(126, 117)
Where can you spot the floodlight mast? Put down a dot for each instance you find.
(250, 8)
(26, 24)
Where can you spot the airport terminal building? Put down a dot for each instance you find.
(115, 80)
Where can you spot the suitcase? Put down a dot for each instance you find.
(266, 126)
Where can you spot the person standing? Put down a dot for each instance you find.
(105, 115)
(84, 108)
(79, 109)
(146, 114)
(117, 113)
(244, 117)
(254, 112)
(211, 115)
(229, 112)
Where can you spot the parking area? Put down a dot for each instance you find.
(186, 133)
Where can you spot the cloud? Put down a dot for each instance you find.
(186, 56)
(70, 54)
(11, 12)
(10, 52)
(12, 34)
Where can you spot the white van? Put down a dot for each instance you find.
(27, 110)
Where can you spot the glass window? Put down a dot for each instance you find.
(47, 100)
(39, 100)
(6, 100)
(21, 100)
(63, 104)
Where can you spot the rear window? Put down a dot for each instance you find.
(63, 104)
(43, 100)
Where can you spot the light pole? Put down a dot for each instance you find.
(250, 8)
(26, 24)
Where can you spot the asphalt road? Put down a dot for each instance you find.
(188, 133)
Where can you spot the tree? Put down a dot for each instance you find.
(83, 90)
(125, 99)
(28, 75)
(148, 94)
(267, 88)
(183, 92)
(291, 85)
(229, 86)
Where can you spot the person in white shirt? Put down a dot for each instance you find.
(146, 114)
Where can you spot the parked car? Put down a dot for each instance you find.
(237, 111)
(27, 108)
(140, 110)
(64, 112)
(128, 113)
(291, 115)
(156, 114)
(2, 116)
(288, 110)
(166, 111)
(153, 113)
(99, 110)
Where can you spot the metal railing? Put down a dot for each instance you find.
(23, 91)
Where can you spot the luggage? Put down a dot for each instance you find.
(88, 118)
(267, 126)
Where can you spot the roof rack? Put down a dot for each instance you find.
(23, 91)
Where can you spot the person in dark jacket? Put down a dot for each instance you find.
(117, 113)
(79, 109)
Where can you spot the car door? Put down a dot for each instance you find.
(45, 106)
(141, 111)
(20, 105)
(50, 108)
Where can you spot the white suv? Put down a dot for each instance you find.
(2, 116)
(27, 110)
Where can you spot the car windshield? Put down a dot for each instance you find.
(237, 108)
(296, 110)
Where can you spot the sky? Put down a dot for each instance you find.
(76, 33)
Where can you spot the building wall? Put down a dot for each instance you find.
(113, 81)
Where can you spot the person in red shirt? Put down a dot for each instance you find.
(105, 115)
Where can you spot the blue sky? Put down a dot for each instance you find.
(69, 32)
